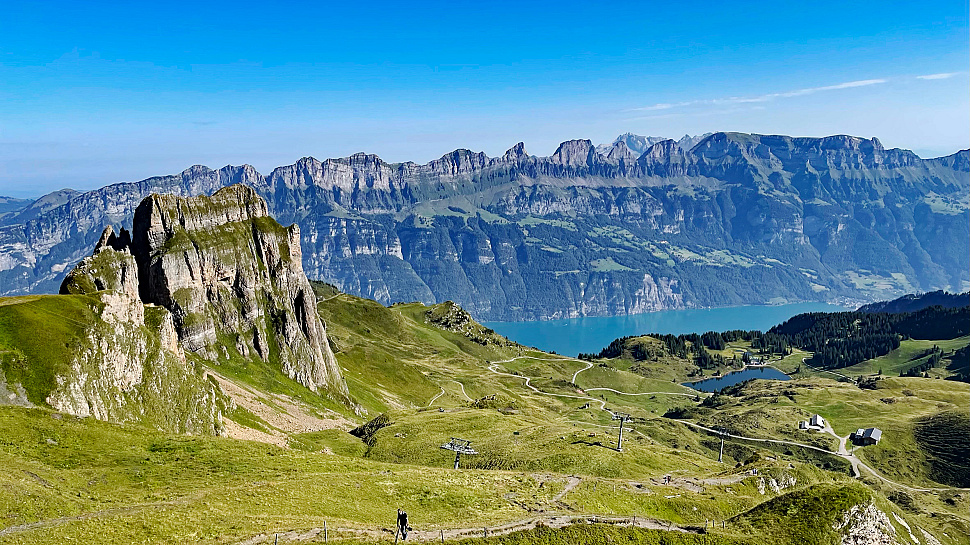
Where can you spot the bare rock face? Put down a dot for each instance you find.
(130, 366)
(111, 267)
(734, 218)
(215, 276)
(233, 279)
(866, 525)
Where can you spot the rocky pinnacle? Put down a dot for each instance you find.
(232, 278)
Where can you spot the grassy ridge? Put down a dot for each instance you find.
(148, 486)
(163, 488)
(805, 516)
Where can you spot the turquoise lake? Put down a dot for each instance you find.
(590, 335)
(730, 379)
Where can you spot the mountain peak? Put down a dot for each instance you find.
(515, 153)
(575, 153)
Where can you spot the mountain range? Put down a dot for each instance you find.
(732, 219)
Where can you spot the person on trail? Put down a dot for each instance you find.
(402, 523)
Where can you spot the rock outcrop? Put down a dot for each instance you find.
(866, 525)
(229, 276)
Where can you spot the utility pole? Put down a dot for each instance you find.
(622, 417)
(720, 455)
(459, 446)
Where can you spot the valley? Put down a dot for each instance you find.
(311, 414)
(293, 488)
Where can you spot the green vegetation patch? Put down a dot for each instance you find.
(945, 439)
(597, 534)
(39, 337)
(608, 264)
(805, 516)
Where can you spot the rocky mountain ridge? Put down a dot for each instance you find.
(735, 219)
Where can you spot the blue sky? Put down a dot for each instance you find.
(92, 93)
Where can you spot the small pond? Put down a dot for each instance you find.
(730, 379)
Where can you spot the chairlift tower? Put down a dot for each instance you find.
(720, 455)
(622, 417)
(459, 446)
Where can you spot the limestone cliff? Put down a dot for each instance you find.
(231, 277)
(724, 219)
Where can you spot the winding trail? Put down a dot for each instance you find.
(571, 483)
(493, 368)
(820, 370)
(435, 398)
(528, 383)
(841, 452)
(463, 390)
(551, 521)
(695, 394)
(589, 365)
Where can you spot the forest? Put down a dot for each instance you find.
(837, 340)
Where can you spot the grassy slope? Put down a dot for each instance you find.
(167, 489)
(596, 534)
(805, 516)
(905, 357)
(174, 488)
(34, 360)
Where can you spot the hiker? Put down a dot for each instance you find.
(402, 523)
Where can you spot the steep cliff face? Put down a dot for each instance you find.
(729, 219)
(233, 280)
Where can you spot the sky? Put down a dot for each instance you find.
(93, 93)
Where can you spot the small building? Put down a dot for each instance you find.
(866, 436)
(816, 423)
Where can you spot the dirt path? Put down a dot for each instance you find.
(589, 365)
(842, 451)
(64, 520)
(819, 370)
(528, 383)
(695, 394)
(462, 386)
(435, 398)
(571, 483)
(551, 521)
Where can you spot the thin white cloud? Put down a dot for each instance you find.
(698, 113)
(944, 75)
(766, 97)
